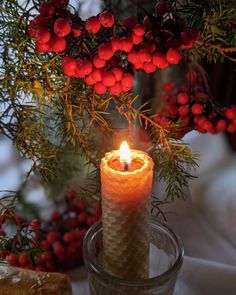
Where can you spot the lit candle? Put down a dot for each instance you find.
(126, 178)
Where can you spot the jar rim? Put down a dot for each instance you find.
(133, 283)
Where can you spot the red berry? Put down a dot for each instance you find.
(52, 237)
(86, 66)
(32, 31)
(70, 196)
(23, 259)
(72, 222)
(221, 125)
(207, 125)
(126, 44)
(106, 19)
(46, 256)
(199, 120)
(116, 89)
(90, 220)
(130, 22)
(42, 47)
(115, 44)
(187, 39)
(182, 98)
(92, 24)
(68, 64)
(58, 44)
(99, 88)
(46, 9)
(149, 67)
(133, 57)
(43, 35)
(145, 55)
(139, 30)
(138, 66)
(55, 216)
(62, 27)
(59, 249)
(79, 73)
(118, 72)
(231, 113)
(162, 120)
(82, 217)
(105, 51)
(12, 259)
(35, 224)
(89, 80)
(97, 75)
(168, 86)
(45, 244)
(136, 39)
(191, 76)
(76, 30)
(80, 234)
(231, 128)
(39, 21)
(108, 78)
(68, 237)
(197, 109)
(98, 62)
(159, 60)
(59, 4)
(81, 204)
(127, 81)
(173, 56)
(171, 108)
(183, 110)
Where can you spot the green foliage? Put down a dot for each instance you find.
(216, 20)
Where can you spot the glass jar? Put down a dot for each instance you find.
(166, 257)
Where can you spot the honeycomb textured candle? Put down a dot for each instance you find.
(126, 215)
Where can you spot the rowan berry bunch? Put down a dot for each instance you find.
(105, 52)
(48, 246)
(191, 105)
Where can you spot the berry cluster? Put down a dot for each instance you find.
(190, 105)
(55, 245)
(51, 27)
(105, 52)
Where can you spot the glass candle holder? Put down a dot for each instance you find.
(166, 257)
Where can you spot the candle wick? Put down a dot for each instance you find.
(126, 167)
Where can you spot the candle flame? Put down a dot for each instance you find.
(125, 153)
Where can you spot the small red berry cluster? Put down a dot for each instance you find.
(110, 51)
(51, 27)
(190, 105)
(55, 245)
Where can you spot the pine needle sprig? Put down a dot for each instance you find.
(174, 161)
